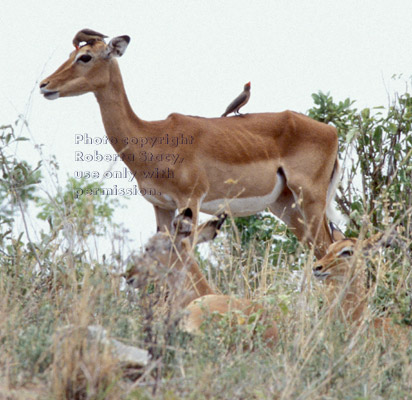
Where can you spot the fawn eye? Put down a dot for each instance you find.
(85, 58)
(347, 252)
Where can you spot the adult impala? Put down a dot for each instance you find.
(284, 161)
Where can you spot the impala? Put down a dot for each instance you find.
(172, 256)
(284, 161)
(344, 271)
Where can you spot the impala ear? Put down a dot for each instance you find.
(117, 46)
(335, 232)
(182, 224)
(387, 239)
(210, 229)
(375, 242)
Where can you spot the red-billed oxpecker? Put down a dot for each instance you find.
(240, 101)
(87, 36)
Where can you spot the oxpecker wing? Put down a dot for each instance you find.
(239, 102)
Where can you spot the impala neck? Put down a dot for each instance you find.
(119, 119)
(197, 280)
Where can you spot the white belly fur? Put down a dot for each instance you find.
(163, 201)
(246, 205)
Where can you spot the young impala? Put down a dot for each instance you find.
(172, 256)
(285, 161)
(344, 271)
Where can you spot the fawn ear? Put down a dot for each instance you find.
(389, 238)
(386, 239)
(335, 233)
(210, 229)
(182, 224)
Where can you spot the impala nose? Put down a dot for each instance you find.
(43, 84)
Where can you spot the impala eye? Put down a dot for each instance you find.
(348, 252)
(85, 58)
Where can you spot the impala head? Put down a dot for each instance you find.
(88, 66)
(166, 250)
(337, 262)
(344, 254)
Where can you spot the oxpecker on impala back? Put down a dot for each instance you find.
(240, 101)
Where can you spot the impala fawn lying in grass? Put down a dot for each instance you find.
(344, 271)
(172, 254)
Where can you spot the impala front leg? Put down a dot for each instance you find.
(317, 230)
(164, 218)
(286, 209)
(304, 212)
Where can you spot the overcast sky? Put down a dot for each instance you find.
(194, 57)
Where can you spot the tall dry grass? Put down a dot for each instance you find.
(316, 357)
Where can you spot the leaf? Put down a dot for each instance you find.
(351, 134)
(315, 98)
(377, 135)
(365, 113)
